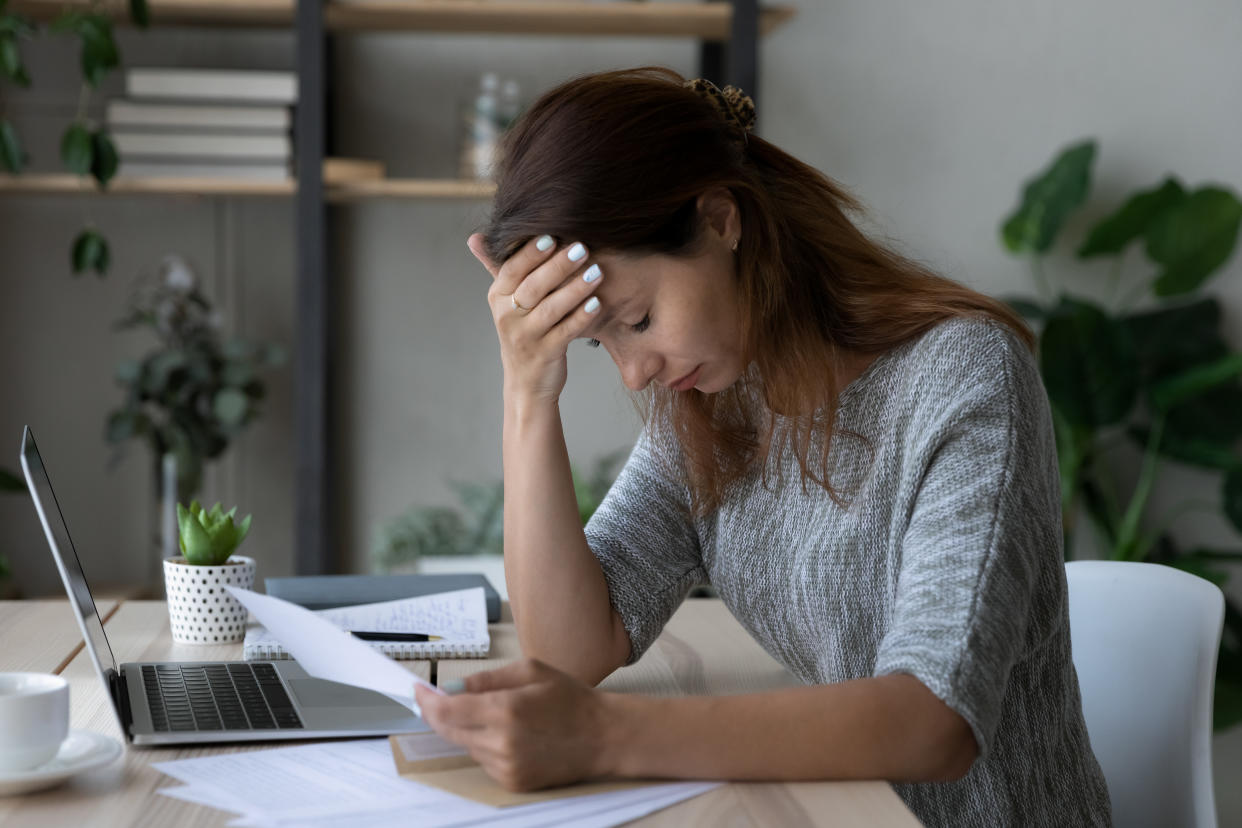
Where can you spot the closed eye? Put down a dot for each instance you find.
(642, 325)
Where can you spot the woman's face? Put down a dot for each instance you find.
(672, 321)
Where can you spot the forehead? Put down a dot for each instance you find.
(629, 281)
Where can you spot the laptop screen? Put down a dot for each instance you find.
(66, 558)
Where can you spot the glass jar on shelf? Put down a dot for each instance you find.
(485, 115)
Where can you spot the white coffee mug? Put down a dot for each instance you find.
(34, 719)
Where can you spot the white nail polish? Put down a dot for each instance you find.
(592, 273)
(577, 252)
(592, 305)
(543, 243)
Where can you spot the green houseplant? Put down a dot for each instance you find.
(86, 149)
(189, 396)
(1158, 379)
(477, 527)
(200, 609)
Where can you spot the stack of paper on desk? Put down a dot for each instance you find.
(353, 784)
(459, 618)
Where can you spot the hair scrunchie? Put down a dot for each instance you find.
(734, 105)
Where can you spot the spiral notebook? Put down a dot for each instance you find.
(459, 618)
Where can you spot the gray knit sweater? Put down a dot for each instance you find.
(946, 565)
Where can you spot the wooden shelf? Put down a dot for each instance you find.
(707, 21)
(390, 188)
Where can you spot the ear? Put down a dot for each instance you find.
(719, 209)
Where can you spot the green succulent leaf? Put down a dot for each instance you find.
(1130, 222)
(77, 150)
(104, 158)
(1049, 199)
(90, 252)
(1089, 365)
(195, 542)
(1192, 239)
(12, 158)
(209, 537)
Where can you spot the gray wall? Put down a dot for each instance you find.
(932, 113)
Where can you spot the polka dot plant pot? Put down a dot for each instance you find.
(199, 609)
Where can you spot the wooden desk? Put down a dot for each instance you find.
(703, 650)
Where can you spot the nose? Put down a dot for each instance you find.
(637, 369)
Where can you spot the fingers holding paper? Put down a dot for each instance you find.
(528, 725)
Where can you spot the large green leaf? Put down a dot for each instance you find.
(104, 159)
(1089, 365)
(77, 150)
(11, 65)
(11, 156)
(1212, 416)
(1186, 386)
(1193, 451)
(1171, 340)
(1028, 308)
(99, 52)
(1048, 200)
(230, 406)
(1194, 238)
(1114, 232)
(90, 252)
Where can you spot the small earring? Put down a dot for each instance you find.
(734, 248)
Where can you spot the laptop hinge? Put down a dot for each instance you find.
(119, 688)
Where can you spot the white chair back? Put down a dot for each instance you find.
(1145, 639)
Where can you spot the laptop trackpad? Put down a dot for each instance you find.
(313, 692)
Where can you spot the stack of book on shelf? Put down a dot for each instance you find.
(192, 123)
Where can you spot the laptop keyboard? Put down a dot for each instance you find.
(231, 696)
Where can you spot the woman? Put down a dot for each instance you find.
(857, 453)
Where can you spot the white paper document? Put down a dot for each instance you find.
(353, 784)
(326, 651)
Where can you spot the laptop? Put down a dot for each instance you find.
(177, 703)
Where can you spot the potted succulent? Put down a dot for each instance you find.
(200, 611)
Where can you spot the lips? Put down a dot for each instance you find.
(687, 382)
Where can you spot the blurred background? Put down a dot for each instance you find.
(935, 115)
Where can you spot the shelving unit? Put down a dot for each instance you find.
(728, 31)
(388, 188)
(709, 21)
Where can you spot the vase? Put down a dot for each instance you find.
(200, 610)
(174, 482)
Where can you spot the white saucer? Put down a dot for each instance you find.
(81, 751)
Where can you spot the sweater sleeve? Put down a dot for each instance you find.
(980, 578)
(646, 543)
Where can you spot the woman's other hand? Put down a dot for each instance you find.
(530, 726)
(541, 301)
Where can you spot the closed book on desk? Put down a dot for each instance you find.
(458, 618)
(316, 592)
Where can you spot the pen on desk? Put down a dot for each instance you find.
(393, 636)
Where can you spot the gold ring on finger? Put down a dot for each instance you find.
(516, 305)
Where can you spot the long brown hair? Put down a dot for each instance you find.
(617, 160)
